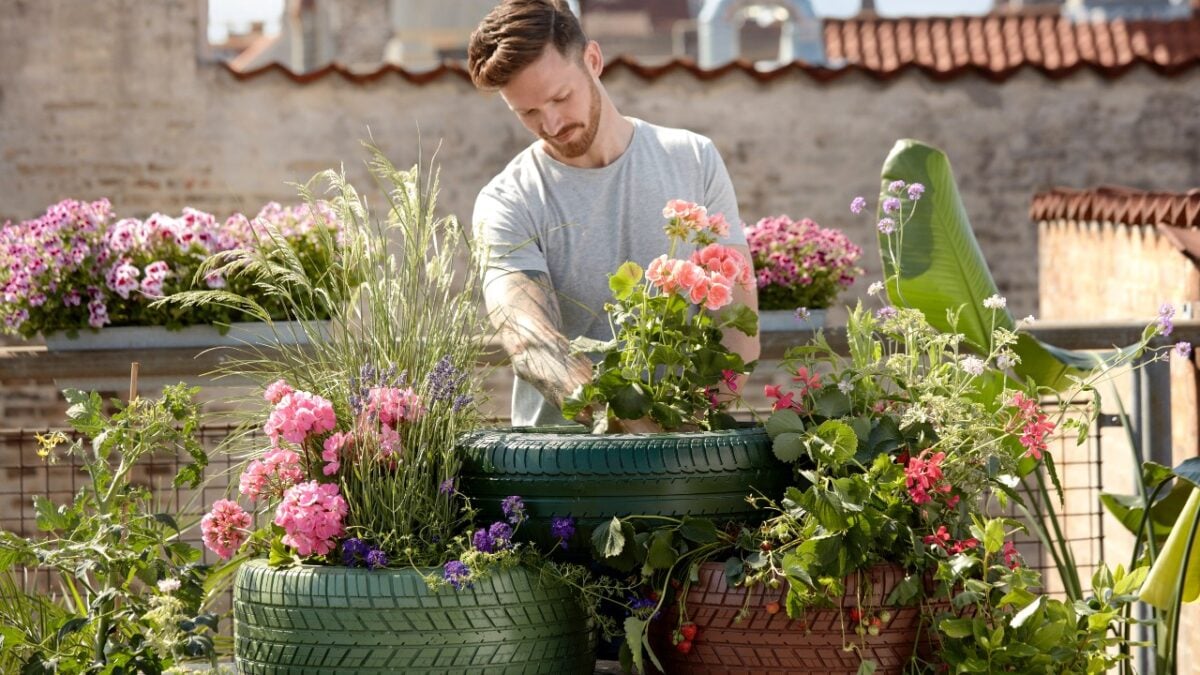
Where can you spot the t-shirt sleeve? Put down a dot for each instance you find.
(718, 193)
(507, 231)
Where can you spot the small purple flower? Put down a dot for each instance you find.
(857, 205)
(887, 226)
(638, 606)
(803, 314)
(1165, 313)
(458, 574)
(353, 549)
(444, 381)
(562, 528)
(915, 191)
(891, 205)
(1183, 349)
(501, 535)
(884, 313)
(514, 509)
(376, 559)
(447, 486)
(896, 186)
(483, 542)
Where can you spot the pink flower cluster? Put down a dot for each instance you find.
(923, 475)
(1035, 427)
(270, 476)
(393, 405)
(702, 280)
(51, 265)
(796, 253)
(225, 528)
(943, 539)
(311, 515)
(687, 221)
(298, 415)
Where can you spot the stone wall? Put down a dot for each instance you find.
(111, 98)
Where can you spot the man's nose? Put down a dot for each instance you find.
(552, 124)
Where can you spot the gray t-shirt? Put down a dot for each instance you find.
(578, 225)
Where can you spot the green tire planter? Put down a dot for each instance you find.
(565, 471)
(334, 621)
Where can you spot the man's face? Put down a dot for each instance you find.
(556, 98)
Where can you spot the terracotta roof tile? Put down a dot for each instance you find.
(994, 46)
(1119, 205)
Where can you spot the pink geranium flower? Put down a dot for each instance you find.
(311, 516)
(225, 528)
(298, 415)
(277, 471)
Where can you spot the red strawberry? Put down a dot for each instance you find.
(772, 608)
(765, 546)
(689, 631)
(684, 647)
(855, 614)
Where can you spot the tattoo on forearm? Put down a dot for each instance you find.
(524, 309)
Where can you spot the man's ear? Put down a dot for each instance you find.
(593, 59)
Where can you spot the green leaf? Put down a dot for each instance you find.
(667, 416)
(1154, 473)
(1131, 582)
(698, 530)
(661, 554)
(827, 508)
(49, 516)
(625, 280)
(734, 571)
(608, 540)
(942, 267)
(833, 443)
(831, 403)
(1130, 509)
(784, 421)
(956, 628)
(993, 536)
(788, 447)
(630, 402)
(905, 592)
(587, 345)
(740, 317)
(1027, 612)
(1189, 470)
(866, 667)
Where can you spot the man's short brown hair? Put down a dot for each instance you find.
(515, 33)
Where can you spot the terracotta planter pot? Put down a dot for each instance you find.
(764, 643)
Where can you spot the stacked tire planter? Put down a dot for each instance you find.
(335, 621)
(565, 471)
(772, 644)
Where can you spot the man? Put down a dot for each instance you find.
(577, 203)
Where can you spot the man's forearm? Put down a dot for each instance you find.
(525, 311)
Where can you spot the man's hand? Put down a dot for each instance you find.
(523, 308)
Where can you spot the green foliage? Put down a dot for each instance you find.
(666, 361)
(106, 550)
(1001, 624)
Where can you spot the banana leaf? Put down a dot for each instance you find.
(942, 268)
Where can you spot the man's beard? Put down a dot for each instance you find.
(581, 145)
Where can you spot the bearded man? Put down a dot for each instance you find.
(586, 196)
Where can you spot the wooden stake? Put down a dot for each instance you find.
(133, 374)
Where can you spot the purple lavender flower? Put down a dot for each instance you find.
(857, 205)
(896, 186)
(891, 205)
(514, 509)
(483, 542)
(887, 225)
(562, 529)
(638, 606)
(1183, 349)
(446, 487)
(884, 313)
(1165, 313)
(376, 559)
(458, 574)
(501, 535)
(461, 401)
(444, 381)
(915, 191)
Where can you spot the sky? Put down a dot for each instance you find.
(237, 14)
